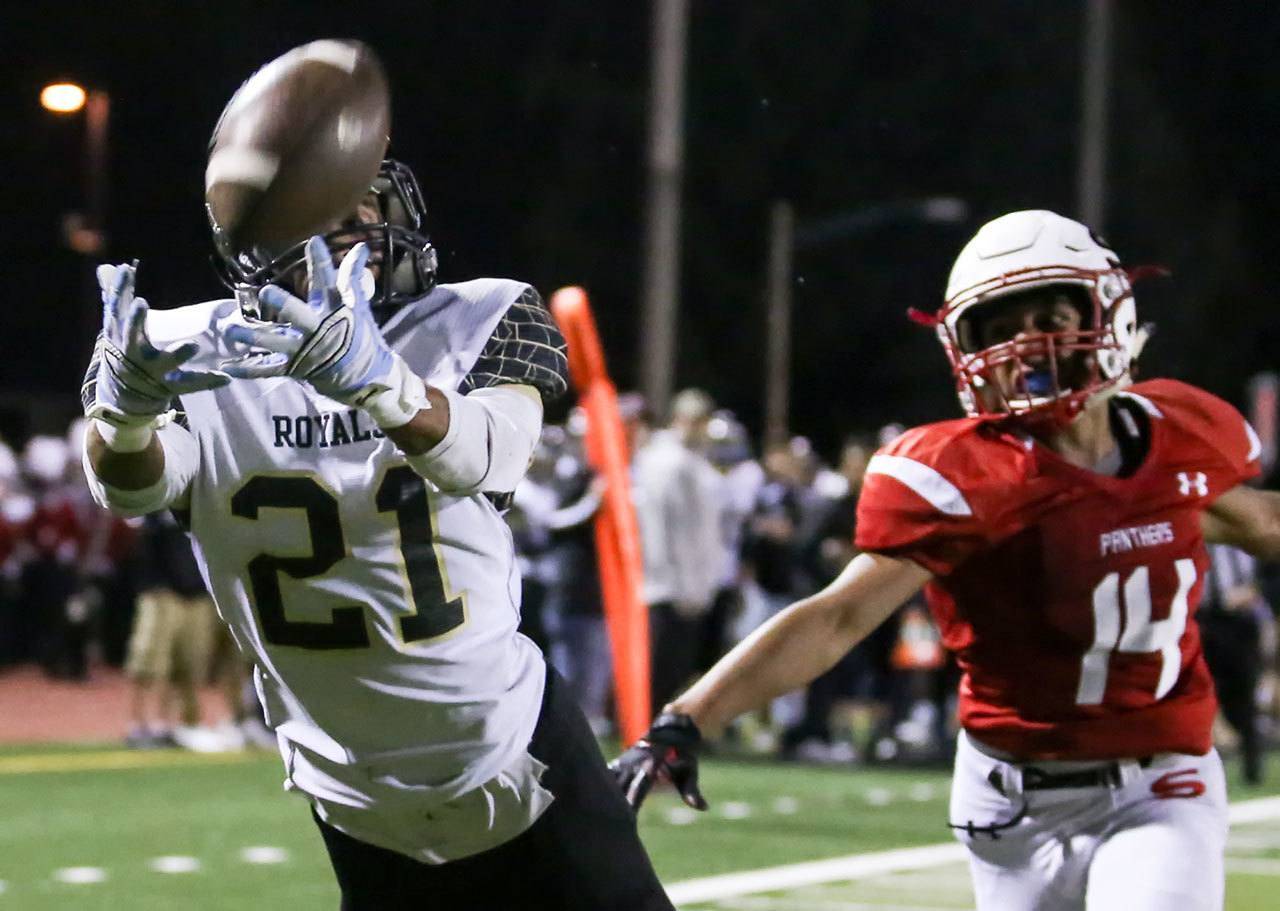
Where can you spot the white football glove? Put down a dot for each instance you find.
(330, 340)
(137, 382)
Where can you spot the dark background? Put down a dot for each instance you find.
(526, 123)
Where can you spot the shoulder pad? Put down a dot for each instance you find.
(931, 494)
(491, 291)
(1203, 417)
(967, 451)
(441, 335)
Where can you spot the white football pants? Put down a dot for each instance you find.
(1153, 842)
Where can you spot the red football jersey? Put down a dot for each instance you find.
(1066, 594)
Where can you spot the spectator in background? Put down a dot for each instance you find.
(16, 510)
(863, 673)
(174, 634)
(51, 576)
(575, 607)
(729, 450)
(1237, 630)
(679, 507)
(770, 556)
(533, 499)
(637, 421)
(770, 544)
(830, 546)
(553, 521)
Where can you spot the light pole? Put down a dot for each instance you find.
(1095, 82)
(660, 298)
(85, 232)
(785, 239)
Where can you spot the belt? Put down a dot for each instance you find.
(1107, 775)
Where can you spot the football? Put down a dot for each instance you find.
(297, 146)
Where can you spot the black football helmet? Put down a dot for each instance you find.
(400, 254)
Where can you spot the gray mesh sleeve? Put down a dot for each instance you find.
(526, 348)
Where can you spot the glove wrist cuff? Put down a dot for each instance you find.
(680, 723)
(398, 404)
(127, 437)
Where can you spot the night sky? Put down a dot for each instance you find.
(526, 123)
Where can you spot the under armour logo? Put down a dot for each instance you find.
(1196, 482)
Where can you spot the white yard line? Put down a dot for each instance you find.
(859, 866)
(808, 903)
(1254, 866)
(1263, 809)
(810, 873)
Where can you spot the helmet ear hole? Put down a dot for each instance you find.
(966, 334)
(415, 273)
(1123, 320)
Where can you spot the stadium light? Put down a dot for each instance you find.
(62, 97)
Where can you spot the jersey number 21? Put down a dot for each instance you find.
(403, 492)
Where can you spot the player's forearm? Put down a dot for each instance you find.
(426, 429)
(783, 654)
(1246, 518)
(136, 483)
(124, 470)
(1265, 539)
(478, 442)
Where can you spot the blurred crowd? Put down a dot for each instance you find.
(67, 565)
(729, 537)
(80, 586)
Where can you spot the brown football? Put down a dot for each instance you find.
(298, 145)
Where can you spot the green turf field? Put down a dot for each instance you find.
(86, 829)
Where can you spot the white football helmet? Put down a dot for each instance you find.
(1019, 252)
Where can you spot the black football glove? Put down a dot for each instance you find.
(667, 752)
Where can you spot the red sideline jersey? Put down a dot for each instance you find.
(1066, 594)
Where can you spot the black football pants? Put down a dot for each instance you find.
(583, 853)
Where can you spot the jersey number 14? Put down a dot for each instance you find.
(403, 492)
(1141, 635)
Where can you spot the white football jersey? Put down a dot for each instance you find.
(380, 613)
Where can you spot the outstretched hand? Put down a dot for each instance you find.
(330, 340)
(667, 752)
(136, 381)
